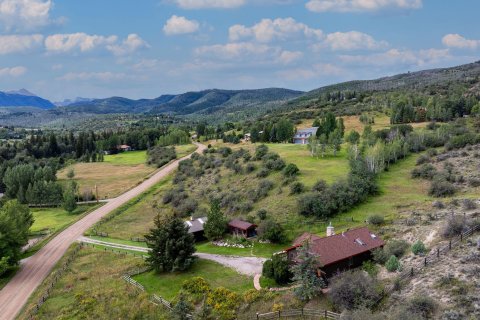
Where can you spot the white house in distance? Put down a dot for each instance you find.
(302, 135)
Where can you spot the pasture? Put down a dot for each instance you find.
(55, 218)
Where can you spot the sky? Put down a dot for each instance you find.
(62, 49)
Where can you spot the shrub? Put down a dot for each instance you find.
(267, 270)
(423, 306)
(250, 167)
(252, 295)
(370, 267)
(263, 172)
(262, 214)
(474, 182)
(455, 226)
(291, 170)
(320, 186)
(396, 248)
(469, 204)
(187, 207)
(441, 188)
(419, 248)
(376, 219)
(278, 269)
(297, 188)
(432, 152)
(224, 302)
(272, 231)
(392, 264)
(225, 151)
(260, 151)
(353, 290)
(438, 204)
(423, 159)
(196, 285)
(380, 256)
(426, 171)
(276, 165)
(160, 156)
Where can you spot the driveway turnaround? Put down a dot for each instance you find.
(35, 269)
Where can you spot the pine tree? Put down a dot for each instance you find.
(216, 223)
(172, 246)
(305, 273)
(182, 309)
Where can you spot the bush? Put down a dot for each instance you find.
(376, 219)
(196, 285)
(454, 227)
(297, 188)
(263, 172)
(392, 264)
(422, 306)
(380, 256)
(396, 248)
(272, 231)
(276, 165)
(252, 295)
(441, 188)
(225, 151)
(277, 268)
(370, 267)
(474, 182)
(419, 248)
(469, 204)
(261, 151)
(262, 214)
(224, 302)
(320, 186)
(250, 167)
(159, 156)
(426, 171)
(353, 290)
(291, 170)
(423, 159)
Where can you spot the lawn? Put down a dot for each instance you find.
(167, 285)
(55, 218)
(127, 158)
(93, 288)
(264, 250)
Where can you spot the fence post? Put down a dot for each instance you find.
(279, 314)
(325, 314)
(411, 272)
(258, 317)
(425, 261)
(438, 253)
(450, 245)
(461, 236)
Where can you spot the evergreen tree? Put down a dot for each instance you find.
(305, 273)
(216, 224)
(182, 309)
(172, 246)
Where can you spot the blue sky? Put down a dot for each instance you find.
(144, 48)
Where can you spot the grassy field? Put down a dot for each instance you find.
(167, 285)
(259, 249)
(127, 158)
(93, 288)
(117, 174)
(55, 218)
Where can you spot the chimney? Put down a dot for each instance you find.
(330, 230)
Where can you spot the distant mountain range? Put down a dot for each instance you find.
(23, 98)
(202, 102)
(249, 102)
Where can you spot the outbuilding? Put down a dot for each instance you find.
(242, 228)
(196, 227)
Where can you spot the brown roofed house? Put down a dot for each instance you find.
(339, 252)
(242, 228)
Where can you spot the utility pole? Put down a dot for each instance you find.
(96, 193)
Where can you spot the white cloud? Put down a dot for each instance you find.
(361, 5)
(82, 42)
(77, 41)
(25, 14)
(268, 30)
(17, 43)
(352, 40)
(458, 41)
(13, 72)
(287, 57)
(180, 25)
(101, 76)
(317, 70)
(235, 50)
(128, 46)
(395, 57)
(202, 4)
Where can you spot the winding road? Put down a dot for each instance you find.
(36, 268)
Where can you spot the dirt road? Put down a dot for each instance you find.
(34, 270)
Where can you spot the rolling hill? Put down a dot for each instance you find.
(202, 102)
(23, 98)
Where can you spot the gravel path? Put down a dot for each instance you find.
(249, 266)
(34, 270)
